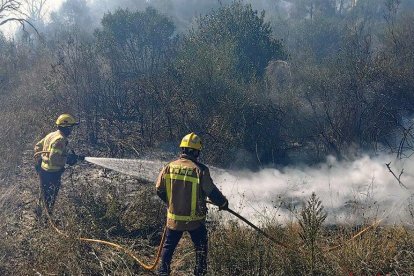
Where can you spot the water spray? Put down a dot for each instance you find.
(345, 187)
(139, 168)
(132, 169)
(148, 169)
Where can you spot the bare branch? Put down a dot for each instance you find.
(396, 177)
(10, 11)
(22, 22)
(36, 9)
(9, 6)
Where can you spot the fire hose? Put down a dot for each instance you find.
(129, 252)
(111, 244)
(158, 255)
(90, 240)
(328, 249)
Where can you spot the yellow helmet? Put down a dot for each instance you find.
(66, 120)
(191, 141)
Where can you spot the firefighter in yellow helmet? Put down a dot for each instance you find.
(184, 185)
(51, 155)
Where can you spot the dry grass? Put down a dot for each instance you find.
(112, 207)
(236, 250)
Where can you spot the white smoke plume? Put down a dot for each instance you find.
(87, 14)
(351, 191)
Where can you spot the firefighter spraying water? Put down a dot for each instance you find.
(51, 155)
(183, 185)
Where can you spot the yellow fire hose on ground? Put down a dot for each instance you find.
(90, 240)
(376, 223)
(111, 244)
(158, 255)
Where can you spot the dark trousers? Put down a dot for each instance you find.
(50, 185)
(200, 240)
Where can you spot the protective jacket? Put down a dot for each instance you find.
(184, 185)
(55, 147)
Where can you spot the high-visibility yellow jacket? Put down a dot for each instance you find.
(184, 185)
(55, 146)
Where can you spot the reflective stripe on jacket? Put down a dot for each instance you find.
(184, 185)
(55, 144)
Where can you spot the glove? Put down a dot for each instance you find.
(225, 206)
(72, 159)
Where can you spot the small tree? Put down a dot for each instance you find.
(136, 43)
(240, 25)
(311, 218)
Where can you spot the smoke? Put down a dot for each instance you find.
(87, 14)
(351, 191)
(182, 12)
